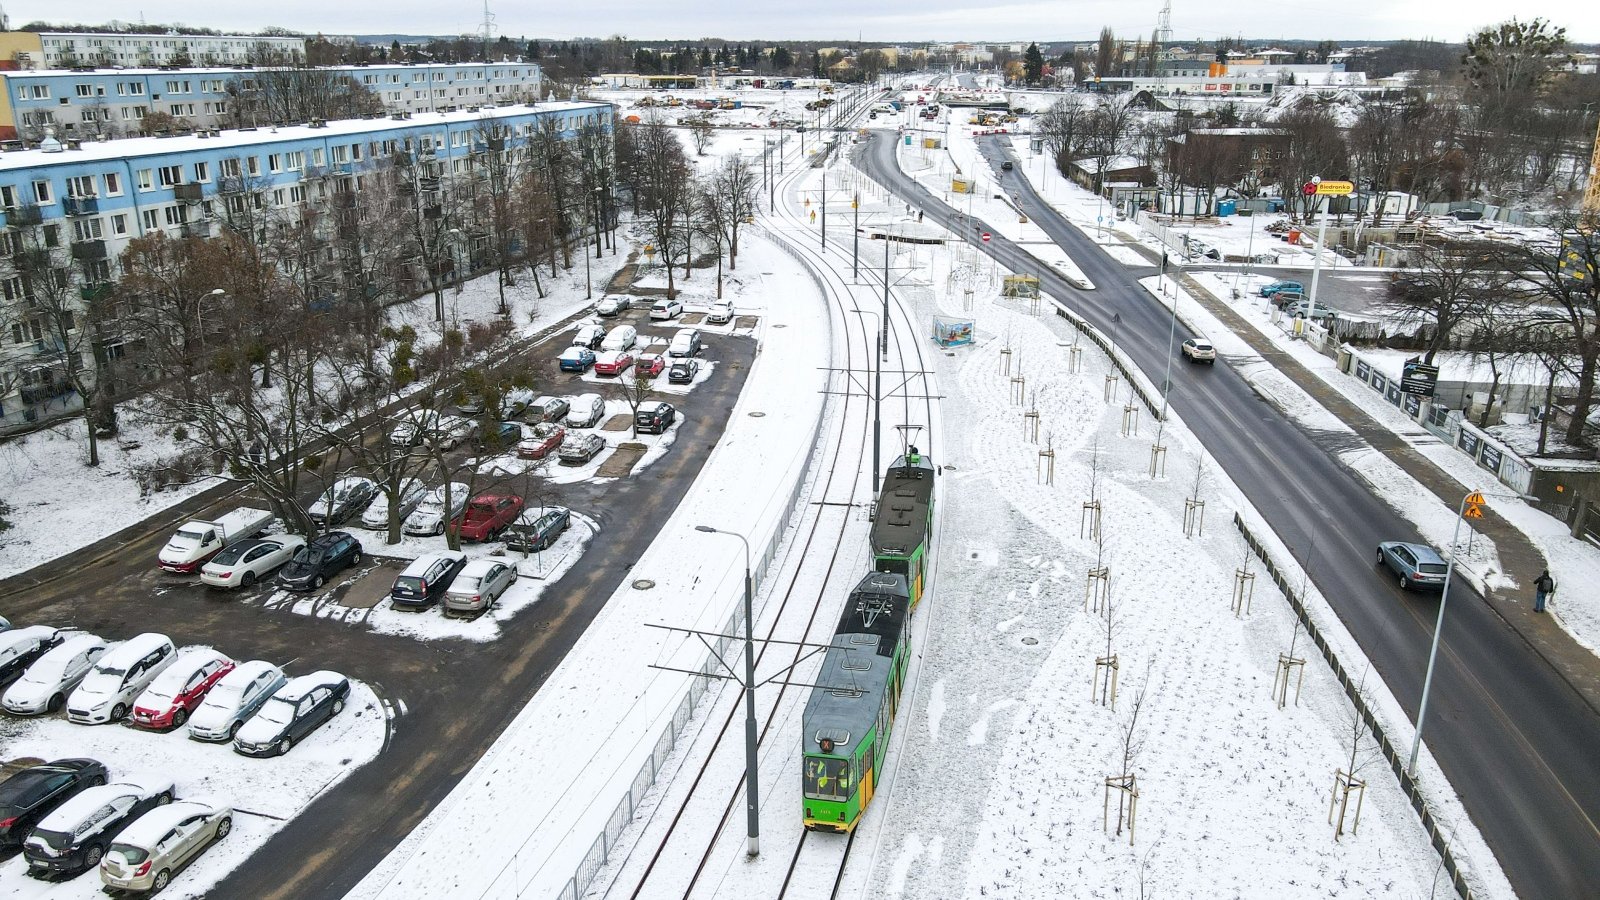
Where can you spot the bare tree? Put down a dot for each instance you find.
(1451, 280)
(663, 191)
(701, 132)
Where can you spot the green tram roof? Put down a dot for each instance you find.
(859, 662)
(901, 523)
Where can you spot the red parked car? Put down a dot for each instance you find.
(180, 687)
(612, 362)
(488, 515)
(649, 365)
(541, 440)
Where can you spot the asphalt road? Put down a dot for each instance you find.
(458, 695)
(1515, 740)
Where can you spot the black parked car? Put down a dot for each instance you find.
(683, 371)
(426, 579)
(654, 417)
(326, 555)
(292, 713)
(31, 794)
(74, 837)
(19, 647)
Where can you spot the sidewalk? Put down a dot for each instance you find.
(1574, 662)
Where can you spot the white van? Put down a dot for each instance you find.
(108, 691)
(622, 337)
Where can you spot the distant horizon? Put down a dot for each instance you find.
(843, 21)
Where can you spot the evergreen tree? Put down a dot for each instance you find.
(1033, 64)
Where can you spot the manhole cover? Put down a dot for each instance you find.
(947, 353)
(643, 584)
(779, 325)
(757, 414)
(948, 466)
(1030, 641)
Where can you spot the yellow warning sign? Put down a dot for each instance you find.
(1473, 512)
(1473, 508)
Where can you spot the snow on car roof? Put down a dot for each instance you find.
(30, 633)
(305, 684)
(69, 814)
(134, 649)
(189, 659)
(154, 825)
(247, 671)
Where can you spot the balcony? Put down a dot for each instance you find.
(22, 216)
(192, 192)
(82, 206)
(201, 228)
(88, 251)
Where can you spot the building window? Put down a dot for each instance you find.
(85, 90)
(80, 186)
(171, 175)
(113, 184)
(202, 172)
(8, 196)
(318, 157)
(275, 163)
(230, 167)
(119, 224)
(253, 165)
(40, 92)
(175, 215)
(150, 220)
(297, 194)
(41, 192)
(296, 160)
(86, 230)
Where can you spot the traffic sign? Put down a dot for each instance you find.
(986, 236)
(1474, 506)
(1335, 189)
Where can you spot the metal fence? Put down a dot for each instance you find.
(1104, 343)
(1397, 760)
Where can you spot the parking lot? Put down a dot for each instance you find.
(437, 689)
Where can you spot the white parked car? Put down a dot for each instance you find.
(721, 313)
(430, 515)
(666, 309)
(247, 562)
(622, 337)
(411, 426)
(117, 678)
(412, 493)
(234, 699)
(586, 411)
(162, 841)
(453, 431)
(44, 686)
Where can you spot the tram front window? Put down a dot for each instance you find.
(827, 778)
(894, 566)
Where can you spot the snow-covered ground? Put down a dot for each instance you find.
(266, 794)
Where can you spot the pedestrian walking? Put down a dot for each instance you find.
(1543, 587)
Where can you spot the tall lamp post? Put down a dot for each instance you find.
(877, 406)
(1471, 507)
(752, 804)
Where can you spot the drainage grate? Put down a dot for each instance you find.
(643, 584)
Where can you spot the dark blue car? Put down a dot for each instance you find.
(577, 359)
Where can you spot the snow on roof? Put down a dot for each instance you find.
(132, 148)
(1091, 164)
(246, 70)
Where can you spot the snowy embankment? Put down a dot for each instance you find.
(537, 801)
(1000, 790)
(49, 486)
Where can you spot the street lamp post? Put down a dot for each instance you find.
(877, 407)
(1473, 500)
(752, 804)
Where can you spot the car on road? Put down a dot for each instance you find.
(145, 855)
(580, 447)
(431, 515)
(665, 309)
(1416, 565)
(537, 529)
(541, 439)
(321, 558)
(44, 686)
(685, 343)
(247, 562)
(622, 337)
(1276, 286)
(614, 305)
(234, 699)
(33, 793)
(587, 411)
(478, 586)
(19, 647)
(500, 436)
(425, 580)
(576, 359)
(376, 515)
(654, 417)
(1197, 350)
(648, 365)
(547, 409)
(489, 514)
(1006, 166)
(683, 371)
(721, 313)
(293, 712)
(343, 499)
(589, 335)
(118, 678)
(75, 836)
(613, 362)
(179, 689)
(411, 426)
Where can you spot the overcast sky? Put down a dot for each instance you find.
(885, 20)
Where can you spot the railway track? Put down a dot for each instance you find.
(817, 601)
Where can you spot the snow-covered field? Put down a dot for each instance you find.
(266, 794)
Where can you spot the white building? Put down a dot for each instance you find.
(65, 49)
